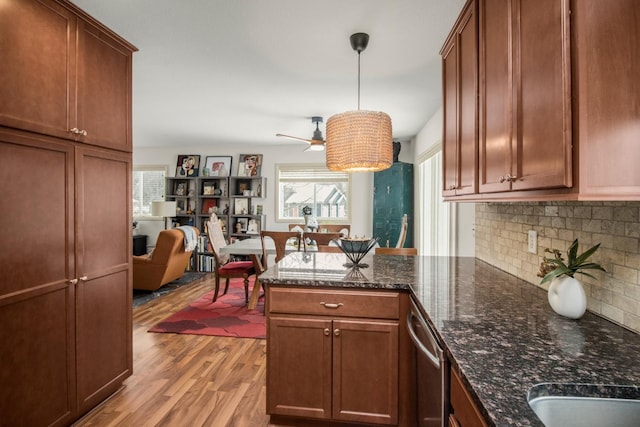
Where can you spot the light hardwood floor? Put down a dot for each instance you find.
(187, 380)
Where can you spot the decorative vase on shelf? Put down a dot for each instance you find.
(567, 297)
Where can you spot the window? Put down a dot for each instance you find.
(435, 215)
(324, 191)
(148, 186)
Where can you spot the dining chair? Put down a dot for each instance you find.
(396, 251)
(327, 248)
(280, 239)
(224, 267)
(321, 239)
(403, 231)
(343, 229)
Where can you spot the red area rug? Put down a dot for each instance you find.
(227, 317)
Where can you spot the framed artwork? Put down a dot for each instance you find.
(217, 166)
(208, 188)
(241, 225)
(209, 206)
(241, 207)
(188, 165)
(180, 189)
(251, 165)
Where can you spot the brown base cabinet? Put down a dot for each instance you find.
(334, 355)
(464, 412)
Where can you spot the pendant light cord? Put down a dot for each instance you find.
(358, 80)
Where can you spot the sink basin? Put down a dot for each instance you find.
(585, 405)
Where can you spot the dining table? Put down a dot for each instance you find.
(252, 247)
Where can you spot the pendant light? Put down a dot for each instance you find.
(361, 140)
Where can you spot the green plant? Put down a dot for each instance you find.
(550, 268)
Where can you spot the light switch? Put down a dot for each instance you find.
(533, 242)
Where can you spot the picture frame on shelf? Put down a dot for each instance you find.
(241, 170)
(188, 165)
(181, 206)
(217, 166)
(241, 225)
(180, 189)
(241, 207)
(252, 164)
(253, 227)
(242, 187)
(209, 206)
(208, 188)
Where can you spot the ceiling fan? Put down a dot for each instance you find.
(316, 143)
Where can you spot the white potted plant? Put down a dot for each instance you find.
(566, 293)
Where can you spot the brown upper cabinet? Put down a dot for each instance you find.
(525, 95)
(460, 89)
(606, 45)
(559, 101)
(73, 81)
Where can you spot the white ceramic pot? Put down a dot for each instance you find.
(567, 297)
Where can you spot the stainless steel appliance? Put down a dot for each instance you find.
(432, 372)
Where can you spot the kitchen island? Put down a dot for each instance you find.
(498, 331)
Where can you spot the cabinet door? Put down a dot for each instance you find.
(36, 71)
(608, 91)
(525, 107)
(36, 295)
(465, 412)
(103, 304)
(543, 151)
(460, 69)
(104, 89)
(496, 105)
(365, 371)
(299, 367)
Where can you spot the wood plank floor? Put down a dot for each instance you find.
(187, 380)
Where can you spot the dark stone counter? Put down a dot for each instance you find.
(498, 330)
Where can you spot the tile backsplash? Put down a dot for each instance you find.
(501, 240)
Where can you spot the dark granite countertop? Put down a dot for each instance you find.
(498, 330)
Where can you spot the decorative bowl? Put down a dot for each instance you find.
(356, 249)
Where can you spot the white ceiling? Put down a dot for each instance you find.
(240, 71)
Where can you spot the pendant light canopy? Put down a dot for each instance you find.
(361, 140)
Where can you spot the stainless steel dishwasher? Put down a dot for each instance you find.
(432, 377)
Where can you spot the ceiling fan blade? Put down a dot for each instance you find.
(308, 141)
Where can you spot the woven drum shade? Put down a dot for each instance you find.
(359, 141)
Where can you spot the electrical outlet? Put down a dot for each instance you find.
(533, 242)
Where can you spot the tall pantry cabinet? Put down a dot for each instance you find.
(65, 169)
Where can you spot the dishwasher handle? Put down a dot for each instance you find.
(433, 358)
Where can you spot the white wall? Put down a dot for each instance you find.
(427, 138)
(361, 190)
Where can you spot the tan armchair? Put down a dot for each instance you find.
(166, 263)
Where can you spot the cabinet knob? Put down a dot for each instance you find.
(326, 332)
(73, 281)
(77, 131)
(452, 187)
(388, 189)
(508, 177)
(84, 278)
(336, 332)
(331, 304)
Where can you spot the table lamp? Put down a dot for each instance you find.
(163, 209)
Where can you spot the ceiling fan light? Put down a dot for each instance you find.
(315, 146)
(359, 141)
